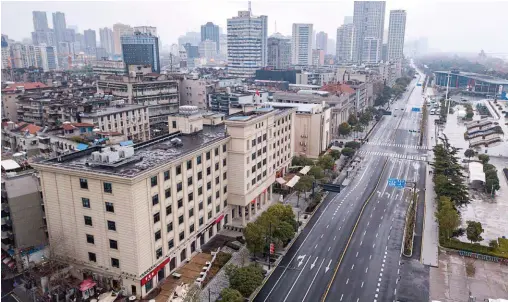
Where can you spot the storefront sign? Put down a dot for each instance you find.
(154, 272)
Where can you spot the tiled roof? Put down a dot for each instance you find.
(32, 129)
(344, 88)
(27, 86)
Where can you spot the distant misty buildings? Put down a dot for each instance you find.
(211, 32)
(279, 52)
(107, 39)
(120, 30)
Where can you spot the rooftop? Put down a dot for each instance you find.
(26, 86)
(147, 155)
(111, 110)
(480, 77)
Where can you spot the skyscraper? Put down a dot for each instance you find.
(396, 32)
(210, 31)
(279, 52)
(345, 43)
(301, 44)
(59, 27)
(208, 49)
(90, 41)
(368, 19)
(42, 34)
(106, 38)
(40, 20)
(322, 40)
(141, 49)
(119, 30)
(247, 35)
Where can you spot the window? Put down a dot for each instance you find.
(109, 207)
(180, 219)
(189, 164)
(217, 209)
(181, 236)
(217, 180)
(210, 215)
(253, 142)
(166, 175)
(224, 162)
(190, 197)
(200, 175)
(224, 148)
(180, 203)
(216, 166)
(168, 210)
(189, 181)
(208, 171)
(88, 220)
(86, 202)
(208, 155)
(259, 152)
(225, 202)
(169, 227)
(253, 169)
(167, 193)
(264, 149)
(178, 170)
(158, 235)
(259, 140)
(259, 177)
(200, 206)
(108, 188)
(155, 199)
(208, 185)
(171, 244)
(217, 194)
(209, 201)
(264, 137)
(254, 156)
(153, 181)
(83, 183)
(158, 253)
(174, 124)
(191, 228)
(264, 161)
(225, 189)
(224, 175)
(111, 225)
(92, 257)
(191, 212)
(179, 187)
(254, 181)
(156, 217)
(200, 191)
(115, 262)
(90, 239)
(216, 151)
(201, 221)
(198, 159)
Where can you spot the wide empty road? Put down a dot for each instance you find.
(350, 249)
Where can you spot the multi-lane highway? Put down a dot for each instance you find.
(350, 250)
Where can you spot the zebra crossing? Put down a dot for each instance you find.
(386, 144)
(394, 155)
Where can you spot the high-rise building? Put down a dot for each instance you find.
(322, 40)
(59, 27)
(345, 43)
(223, 47)
(396, 32)
(318, 57)
(247, 35)
(279, 52)
(348, 19)
(301, 44)
(79, 44)
(69, 35)
(107, 41)
(90, 41)
(50, 55)
(368, 18)
(40, 20)
(208, 49)
(191, 37)
(151, 30)
(331, 50)
(141, 49)
(6, 52)
(191, 50)
(210, 31)
(119, 30)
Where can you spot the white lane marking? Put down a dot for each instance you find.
(334, 237)
(347, 281)
(298, 277)
(357, 254)
(352, 267)
(329, 248)
(341, 296)
(313, 279)
(366, 270)
(315, 247)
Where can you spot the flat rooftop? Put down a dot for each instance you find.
(480, 77)
(111, 110)
(246, 116)
(147, 155)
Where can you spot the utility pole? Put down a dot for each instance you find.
(447, 88)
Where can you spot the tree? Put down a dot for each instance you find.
(484, 158)
(231, 295)
(326, 162)
(302, 161)
(493, 244)
(335, 154)
(344, 129)
(474, 230)
(317, 172)
(303, 185)
(353, 145)
(348, 152)
(492, 185)
(245, 279)
(254, 237)
(358, 128)
(447, 217)
(469, 153)
(352, 120)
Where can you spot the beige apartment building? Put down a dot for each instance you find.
(129, 216)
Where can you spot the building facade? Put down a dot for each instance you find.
(193, 92)
(59, 27)
(368, 19)
(247, 49)
(279, 52)
(322, 41)
(346, 43)
(141, 49)
(301, 44)
(120, 30)
(208, 49)
(107, 41)
(318, 57)
(150, 30)
(90, 41)
(396, 34)
(210, 31)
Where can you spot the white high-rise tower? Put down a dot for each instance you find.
(396, 32)
(301, 44)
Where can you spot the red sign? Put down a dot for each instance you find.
(154, 272)
(272, 248)
(219, 218)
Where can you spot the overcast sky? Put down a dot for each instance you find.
(451, 26)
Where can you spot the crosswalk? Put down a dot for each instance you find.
(394, 155)
(386, 144)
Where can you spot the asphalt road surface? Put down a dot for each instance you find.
(350, 250)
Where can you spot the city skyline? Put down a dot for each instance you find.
(20, 25)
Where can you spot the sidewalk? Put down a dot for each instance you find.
(430, 242)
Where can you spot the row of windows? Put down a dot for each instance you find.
(93, 258)
(111, 224)
(113, 244)
(107, 186)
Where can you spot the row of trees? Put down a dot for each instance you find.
(395, 91)
(357, 123)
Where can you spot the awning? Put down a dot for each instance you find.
(280, 180)
(86, 284)
(219, 218)
(126, 143)
(293, 181)
(304, 170)
(82, 147)
(10, 164)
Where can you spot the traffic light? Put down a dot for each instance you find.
(272, 248)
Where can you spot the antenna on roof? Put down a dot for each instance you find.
(250, 10)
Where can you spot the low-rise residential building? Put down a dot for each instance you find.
(314, 78)
(21, 137)
(10, 95)
(108, 67)
(193, 92)
(223, 101)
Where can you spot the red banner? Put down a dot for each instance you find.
(152, 274)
